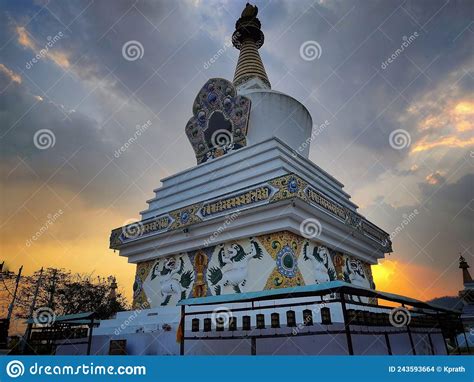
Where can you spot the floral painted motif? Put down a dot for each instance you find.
(284, 248)
(287, 263)
(140, 299)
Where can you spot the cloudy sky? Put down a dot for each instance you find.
(62, 68)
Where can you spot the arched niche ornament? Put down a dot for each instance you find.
(219, 122)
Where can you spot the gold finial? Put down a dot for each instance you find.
(250, 10)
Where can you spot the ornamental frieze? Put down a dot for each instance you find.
(315, 197)
(136, 230)
(282, 188)
(236, 202)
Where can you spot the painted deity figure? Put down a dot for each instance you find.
(233, 266)
(321, 262)
(173, 280)
(355, 273)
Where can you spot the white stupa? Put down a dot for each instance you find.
(255, 241)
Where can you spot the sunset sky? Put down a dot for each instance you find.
(91, 98)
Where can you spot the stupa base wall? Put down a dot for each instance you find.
(278, 260)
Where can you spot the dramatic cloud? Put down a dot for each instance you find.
(59, 58)
(383, 66)
(10, 74)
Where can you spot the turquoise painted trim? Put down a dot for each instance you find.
(329, 287)
(69, 317)
(249, 296)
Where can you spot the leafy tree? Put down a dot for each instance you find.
(70, 293)
(83, 294)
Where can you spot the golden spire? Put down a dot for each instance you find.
(248, 38)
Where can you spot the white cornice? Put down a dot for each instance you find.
(280, 216)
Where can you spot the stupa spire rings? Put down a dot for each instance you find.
(248, 38)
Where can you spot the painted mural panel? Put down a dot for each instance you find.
(277, 260)
(238, 267)
(317, 265)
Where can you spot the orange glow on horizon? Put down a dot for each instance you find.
(411, 280)
(384, 271)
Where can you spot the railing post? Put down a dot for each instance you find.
(182, 328)
(253, 340)
(89, 340)
(442, 333)
(410, 336)
(465, 337)
(387, 340)
(346, 325)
